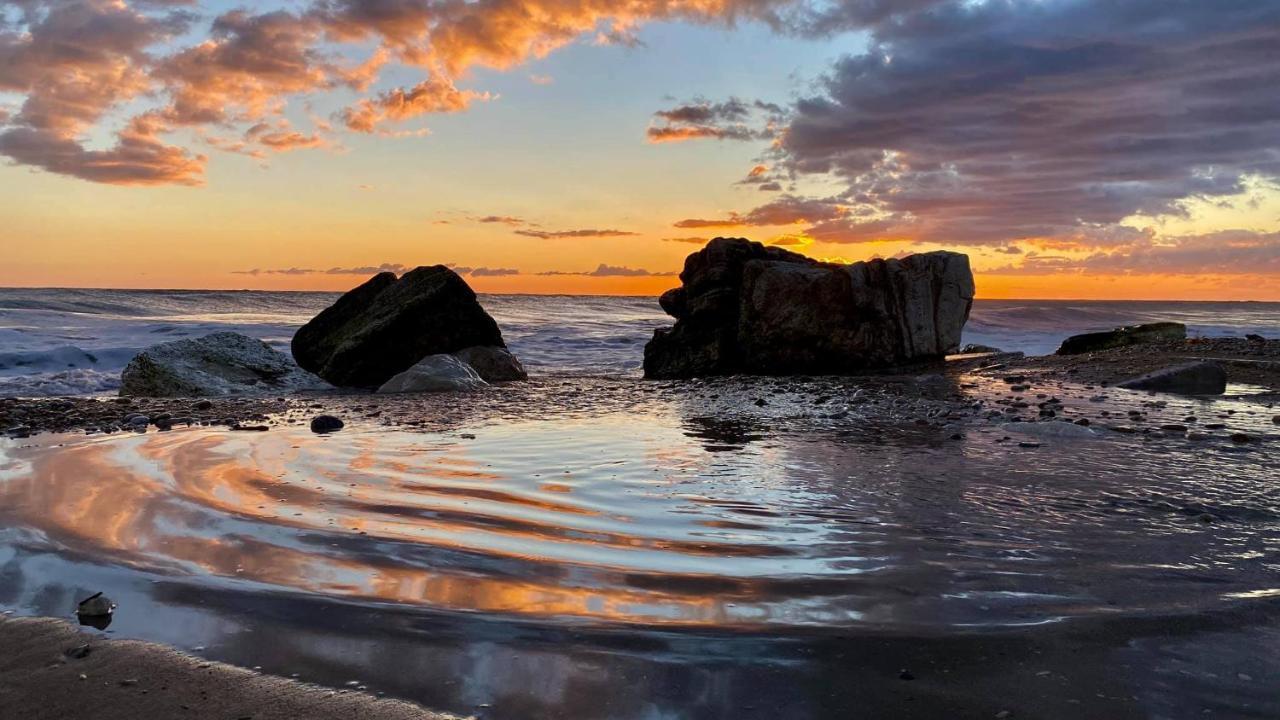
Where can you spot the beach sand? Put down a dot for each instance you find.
(49, 669)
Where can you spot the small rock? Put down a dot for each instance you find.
(906, 675)
(326, 424)
(203, 405)
(96, 605)
(1240, 438)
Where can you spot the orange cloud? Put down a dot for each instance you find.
(434, 95)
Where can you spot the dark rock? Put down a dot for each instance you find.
(1123, 336)
(222, 363)
(326, 424)
(387, 325)
(493, 364)
(1253, 337)
(96, 605)
(747, 308)
(974, 349)
(203, 405)
(1195, 378)
(1240, 438)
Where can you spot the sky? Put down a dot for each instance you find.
(1125, 149)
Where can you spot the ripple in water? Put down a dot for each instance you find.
(667, 520)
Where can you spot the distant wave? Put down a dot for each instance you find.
(76, 342)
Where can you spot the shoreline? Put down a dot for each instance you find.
(48, 668)
(1248, 363)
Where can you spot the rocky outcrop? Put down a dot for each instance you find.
(1123, 336)
(387, 325)
(494, 364)
(435, 373)
(743, 307)
(224, 363)
(1194, 378)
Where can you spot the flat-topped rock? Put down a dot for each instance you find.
(1123, 336)
(746, 308)
(388, 324)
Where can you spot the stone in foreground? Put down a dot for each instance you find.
(1122, 337)
(1196, 378)
(493, 364)
(223, 363)
(743, 307)
(387, 324)
(435, 373)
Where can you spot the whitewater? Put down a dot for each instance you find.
(57, 342)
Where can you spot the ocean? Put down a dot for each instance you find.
(56, 342)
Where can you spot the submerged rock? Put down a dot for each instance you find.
(1195, 378)
(747, 308)
(493, 364)
(387, 324)
(435, 373)
(223, 363)
(96, 605)
(1123, 336)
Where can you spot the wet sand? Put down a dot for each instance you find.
(48, 669)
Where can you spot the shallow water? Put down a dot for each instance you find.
(682, 555)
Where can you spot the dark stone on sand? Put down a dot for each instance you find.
(1123, 336)
(386, 325)
(746, 308)
(326, 424)
(1195, 378)
(974, 348)
(1253, 337)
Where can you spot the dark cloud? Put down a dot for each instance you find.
(605, 270)
(556, 234)
(689, 240)
(732, 119)
(1230, 252)
(988, 122)
(503, 219)
(786, 210)
(396, 268)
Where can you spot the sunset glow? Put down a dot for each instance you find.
(587, 148)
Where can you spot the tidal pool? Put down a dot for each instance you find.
(684, 561)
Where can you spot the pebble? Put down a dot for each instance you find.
(1240, 438)
(326, 424)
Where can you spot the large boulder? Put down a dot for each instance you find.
(494, 364)
(747, 308)
(1193, 378)
(223, 363)
(387, 324)
(435, 373)
(1123, 336)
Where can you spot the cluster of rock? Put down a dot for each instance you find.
(422, 332)
(743, 307)
(388, 325)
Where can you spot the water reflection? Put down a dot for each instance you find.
(539, 566)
